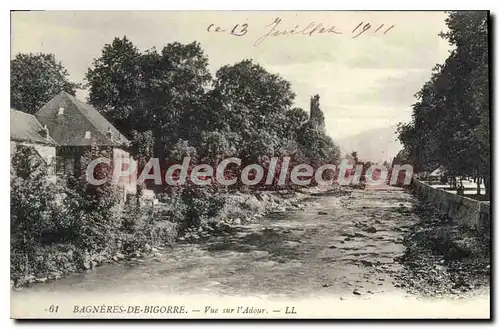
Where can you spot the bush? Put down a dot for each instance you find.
(44, 214)
(240, 206)
(91, 217)
(139, 228)
(93, 211)
(201, 203)
(33, 208)
(172, 207)
(133, 228)
(72, 225)
(162, 233)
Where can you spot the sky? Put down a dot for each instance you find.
(365, 82)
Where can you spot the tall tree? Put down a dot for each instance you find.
(267, 96)
(257, 105)
(450, 124)
(115, 82)
(162, 100)
(316, 146)
(175, 82)
(468, 31)
(154, 96)
(35, 79)
(295, 119)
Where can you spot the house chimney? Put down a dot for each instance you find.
(109, 134)
(45, 132)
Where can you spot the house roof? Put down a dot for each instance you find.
(70, 128)
(25, 127)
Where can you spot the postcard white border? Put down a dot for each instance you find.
(185, 5)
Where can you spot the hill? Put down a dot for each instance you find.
(376, 145)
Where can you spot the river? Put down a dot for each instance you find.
(334, 245)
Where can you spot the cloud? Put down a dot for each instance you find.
(397, 90)
(355, 99)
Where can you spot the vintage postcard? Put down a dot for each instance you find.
(250, 164)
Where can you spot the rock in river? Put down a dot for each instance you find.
(259, 254)
(291, 244)
(278, 210)
(370, 229)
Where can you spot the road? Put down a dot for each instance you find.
(340, 246)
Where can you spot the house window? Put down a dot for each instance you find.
(61, 110)
(87, 134)
(65, 165)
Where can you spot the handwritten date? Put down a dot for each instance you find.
(237, 30)
(363, 27)
(276, 29)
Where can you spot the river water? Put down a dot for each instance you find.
(333, 246)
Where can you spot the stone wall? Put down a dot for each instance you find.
(464, 211)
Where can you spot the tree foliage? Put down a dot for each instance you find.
(115, 83)
(450, 122)
(167, 102)
(35, 79)
(153, 96)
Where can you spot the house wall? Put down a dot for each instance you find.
(129, 182)
(68, 159)
(74, 153)
(47, 152)
(464, 211)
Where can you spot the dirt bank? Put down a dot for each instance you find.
(442, 259)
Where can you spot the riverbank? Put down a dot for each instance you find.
(461, 209)
(443, 258)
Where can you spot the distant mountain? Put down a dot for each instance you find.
(376, 145)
